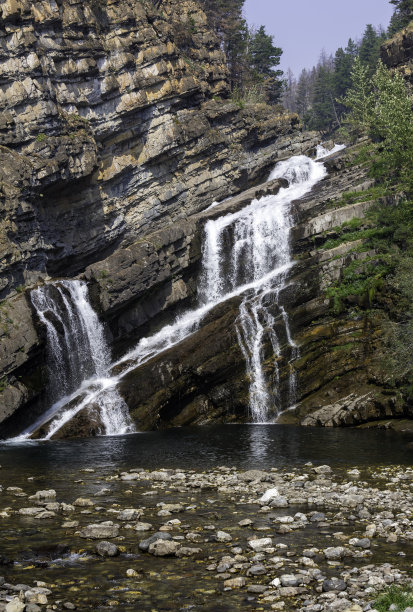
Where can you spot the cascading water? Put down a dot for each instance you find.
(77, 349)
(252, 246)
(323, 152)
(244, 254)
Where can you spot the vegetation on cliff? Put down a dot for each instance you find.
(251, 55)
(379, 110)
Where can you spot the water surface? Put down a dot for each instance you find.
(241, 446)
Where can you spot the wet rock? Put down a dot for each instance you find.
(351, 501)
(106, 549)
(144, 544)
(235, 583)
(222, 536)
(43, 496)
(70, 524)
(322, 469)
(37, 596)
(129, 514)
(279, 502)
(163, 548)
(290, 580)
(256, 570)
(317, 517)
(336, 553)
(261, 544)
(15, 605)
(269, 496)
(334, 584)
(128, 477)
(140, 526)
(245, 523)
(253, 475)
(159, 476)
(83, 502)
(45, 514)
(30, 511)
(256, 588)
(360, 543)
(98, 531)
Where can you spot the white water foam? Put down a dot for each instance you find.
(322, 152)
(77, 355)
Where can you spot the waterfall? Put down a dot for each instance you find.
(77, 351)
(246, 254)
(252, 246)
(323, 152)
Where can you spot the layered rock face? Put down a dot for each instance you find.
(111, 125)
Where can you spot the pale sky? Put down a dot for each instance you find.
(302, 28)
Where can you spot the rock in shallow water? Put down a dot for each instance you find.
(163, 548)
(159, 535)
(100, 531)
(261, 544)
(334, 584)
(106, 549)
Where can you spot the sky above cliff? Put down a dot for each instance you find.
(302, 28)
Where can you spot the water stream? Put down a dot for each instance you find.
(246, 254)
(77, 351)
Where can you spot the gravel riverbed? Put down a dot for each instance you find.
(306, 539)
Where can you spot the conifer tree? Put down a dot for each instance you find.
(323, 110)
(403, 14)
(369, 51)
(263, 59)
(304, 94)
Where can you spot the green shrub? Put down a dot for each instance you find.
(399, 596)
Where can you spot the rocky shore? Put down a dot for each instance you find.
(307, 539)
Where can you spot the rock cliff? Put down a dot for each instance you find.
(398, 52)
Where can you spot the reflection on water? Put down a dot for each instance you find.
(242, 446)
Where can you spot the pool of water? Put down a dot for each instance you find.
(241, 446)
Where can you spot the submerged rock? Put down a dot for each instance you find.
(100, 531)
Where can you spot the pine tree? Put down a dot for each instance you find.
(264, 55)
(323, 111)
(403, 14)
(304, 94)
(369, 52)
(343, 64)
